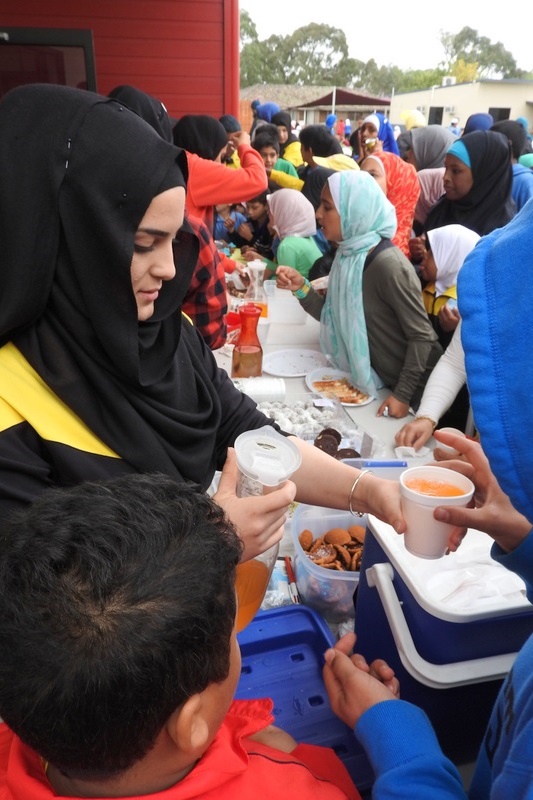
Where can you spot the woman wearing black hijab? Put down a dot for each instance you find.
(478, 180)
(147, 107)
(100, 374)
(289, 144)
(488, 203)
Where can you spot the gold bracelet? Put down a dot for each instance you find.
(352, 490)
(433, 423)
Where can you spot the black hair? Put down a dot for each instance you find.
(261, 198)
(117, 603)
(515, 133)
(320, 140)
(266, 137)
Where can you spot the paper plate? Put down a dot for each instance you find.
(293, 363)
(326, 374)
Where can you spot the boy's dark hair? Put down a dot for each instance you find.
(261, 198)
(515, 133)
(319, 139)
(266, 138)
(117, 603)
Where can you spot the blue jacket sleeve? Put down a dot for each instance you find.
(519, 560)
(406, 757)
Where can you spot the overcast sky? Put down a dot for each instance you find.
(402, 34)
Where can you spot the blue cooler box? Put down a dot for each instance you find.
(282, 658)
(449, 627)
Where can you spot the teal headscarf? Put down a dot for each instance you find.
(366, 218)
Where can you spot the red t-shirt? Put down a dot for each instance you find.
(233, 767)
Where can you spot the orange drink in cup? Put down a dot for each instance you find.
(422, 490)
(250, 584)
(265, 459)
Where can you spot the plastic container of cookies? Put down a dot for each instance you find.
(328, 591)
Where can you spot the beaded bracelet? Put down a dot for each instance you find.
(434, 424)
(303, 291)
(352, 490)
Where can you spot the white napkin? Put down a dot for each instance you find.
(409, 452)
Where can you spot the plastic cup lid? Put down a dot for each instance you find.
(267, 456)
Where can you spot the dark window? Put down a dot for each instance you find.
(435, 115)
(499, 114)
(46, 55)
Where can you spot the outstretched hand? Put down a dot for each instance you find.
(493, 512)
(352, 685)
(259, 520)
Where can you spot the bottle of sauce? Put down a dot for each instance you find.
(247, 357)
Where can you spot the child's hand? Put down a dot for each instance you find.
(289, 278)
(352, 686)
(414, 434)
(245, 231)
(251, 254)
(392, 407)
(449, 318)
(229, 224)
(417, 248)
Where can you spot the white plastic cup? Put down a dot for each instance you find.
(263, 389)
(425, 536)
(266, 459)
(450, 451)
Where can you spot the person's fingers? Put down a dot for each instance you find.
(228, 477)
(346, 643)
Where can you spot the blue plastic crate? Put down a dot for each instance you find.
(282, 658)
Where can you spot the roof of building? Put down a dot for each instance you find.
(292, 96)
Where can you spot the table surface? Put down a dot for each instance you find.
(306, 336)
(282, 336)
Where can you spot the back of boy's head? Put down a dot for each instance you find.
(266, 136)
(319, 139)
(515, 133)
(261, 198)
(117, 603)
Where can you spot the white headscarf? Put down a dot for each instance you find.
(450, 246)
(374, 120)
(293, 214)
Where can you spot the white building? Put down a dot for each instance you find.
(504, 99)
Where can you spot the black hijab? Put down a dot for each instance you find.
(200, 134)
(315, 180)
(147, 107)
(283, 118)
(78, 173)
(488, 204)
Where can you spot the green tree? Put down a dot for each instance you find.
(493, 60)
(248, 31)
(312, 54)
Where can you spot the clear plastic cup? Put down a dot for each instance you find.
(266, 459)
(425, 536)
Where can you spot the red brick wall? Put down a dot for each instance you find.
(185, 52)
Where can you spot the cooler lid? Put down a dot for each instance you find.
(464, 586)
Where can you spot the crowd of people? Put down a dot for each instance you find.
(118, 666)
